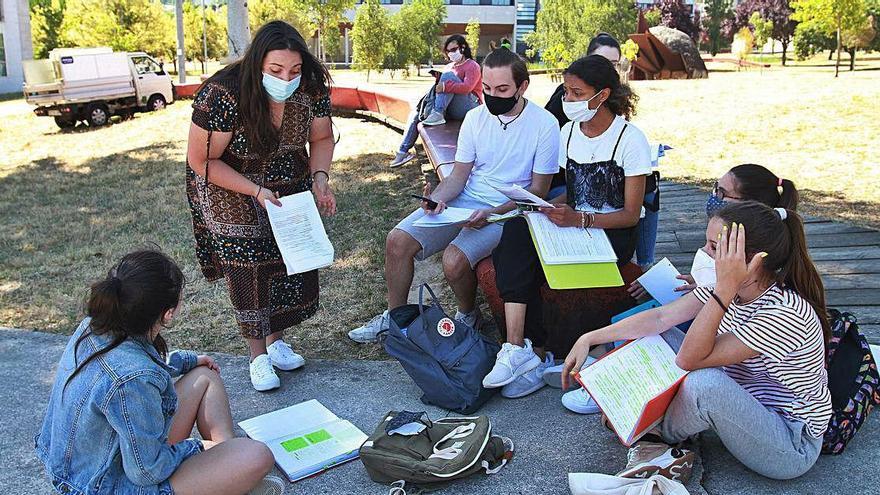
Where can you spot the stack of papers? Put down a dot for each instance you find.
(450, 216)
(299, 233)
(569, 245)
(306, 439)
(660, 281)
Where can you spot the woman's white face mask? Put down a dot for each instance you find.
(703, 269)
(580, 111)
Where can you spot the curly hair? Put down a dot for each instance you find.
(597, 72)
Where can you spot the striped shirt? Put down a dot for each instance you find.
(788, 374)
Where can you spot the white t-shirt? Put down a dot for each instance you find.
(633, 155)
(506, 156)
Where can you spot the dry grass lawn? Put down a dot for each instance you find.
(75, 201)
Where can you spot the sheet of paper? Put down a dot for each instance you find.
(450, 216)
(660, 282)
(568, 245)
(518, 194)
(299, 233)
(623, 382)
(507, 216)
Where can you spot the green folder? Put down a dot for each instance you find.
(579, 275)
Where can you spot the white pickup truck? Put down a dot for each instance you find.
(92, 84)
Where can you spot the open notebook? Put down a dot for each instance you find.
(306, 439)
(569, 245)
(633, 385)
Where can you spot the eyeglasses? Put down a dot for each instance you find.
(720, 193)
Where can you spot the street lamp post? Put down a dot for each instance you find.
(181, 59)
(204, 38)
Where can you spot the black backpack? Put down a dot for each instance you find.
(852, 379)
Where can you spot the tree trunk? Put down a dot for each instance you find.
(852, 59)
(239, 32)
(837, 63)
(784, 52)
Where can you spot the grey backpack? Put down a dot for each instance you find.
(434, 452)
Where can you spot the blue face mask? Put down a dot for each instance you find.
(279, 89)
(713, 204)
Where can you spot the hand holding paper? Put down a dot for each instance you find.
(661, 281)
(299, 233)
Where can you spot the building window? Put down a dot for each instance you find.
(501, 2)
(2, 56)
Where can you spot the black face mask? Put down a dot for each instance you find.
(499, 105)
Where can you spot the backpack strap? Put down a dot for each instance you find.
(614, 153)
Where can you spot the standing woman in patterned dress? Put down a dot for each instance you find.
(247, 145)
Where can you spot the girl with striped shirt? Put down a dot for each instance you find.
(756, 350)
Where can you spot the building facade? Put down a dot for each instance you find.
(15, 43)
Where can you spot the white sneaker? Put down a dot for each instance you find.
(401, 159)
(474, 319)
(529, 382)
(283, 357)
(579, 401)
(512, 361)
(270, 485)
(553, 376)
(367, 333)
(436, 118)
(263, 376)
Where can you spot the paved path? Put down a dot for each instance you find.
(550, 441)
(847, 256)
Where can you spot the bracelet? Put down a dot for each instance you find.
(316, 172)
(258, 191)
(583, 220)
(592, 220)
(718, 300)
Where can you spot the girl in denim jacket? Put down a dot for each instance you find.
(118, 422)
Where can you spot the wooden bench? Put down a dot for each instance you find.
(567, 313)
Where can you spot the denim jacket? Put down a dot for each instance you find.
(106, 432)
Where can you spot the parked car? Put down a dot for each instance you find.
(93, 84)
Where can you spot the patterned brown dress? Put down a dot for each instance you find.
(232, 233)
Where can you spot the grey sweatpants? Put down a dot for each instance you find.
(763, 440)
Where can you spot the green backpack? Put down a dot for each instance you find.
(444, 450)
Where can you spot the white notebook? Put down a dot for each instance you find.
(299, 233)
(569, 245)
(306, 439)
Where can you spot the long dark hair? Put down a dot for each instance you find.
(247, 76)
(786, 247)
(603, 39)
(130, 300)
(756, 183)
(463, 45)
(598, 72)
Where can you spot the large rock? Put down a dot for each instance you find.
(681, 43)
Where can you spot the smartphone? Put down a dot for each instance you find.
(431, 203)
(527, 206)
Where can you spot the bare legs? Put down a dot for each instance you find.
(258, 346)
(230, 466)
(515, 320)
(400, 251)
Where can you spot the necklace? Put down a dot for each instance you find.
(505, 124)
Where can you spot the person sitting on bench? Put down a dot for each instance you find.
(456, 92)
(507, 141)
(606, 159)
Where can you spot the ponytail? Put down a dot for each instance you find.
(799, 273)
(130, 301)
(757, 183)
(779, 232)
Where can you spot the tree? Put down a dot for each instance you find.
(427, 18)
(717, 11)
(472, 31)
(761, 28)
(404, 46)
(675, 14)
(237, 27)
(124, 25)
(809, 40)
(832, 16)
(46, 19)
(201, 32)
(743, 43)
(858, 38)
(778, 12)
(262, 11)
(325, 16)
(653, 17)
(565, 27)
(369, 36)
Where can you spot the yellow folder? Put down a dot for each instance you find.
(579, 275)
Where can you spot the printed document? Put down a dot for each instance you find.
(626, 381)
(660, 282)
(306, 439)
(300, 233)
(569, 245)
(450, 216)
(520, 195)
